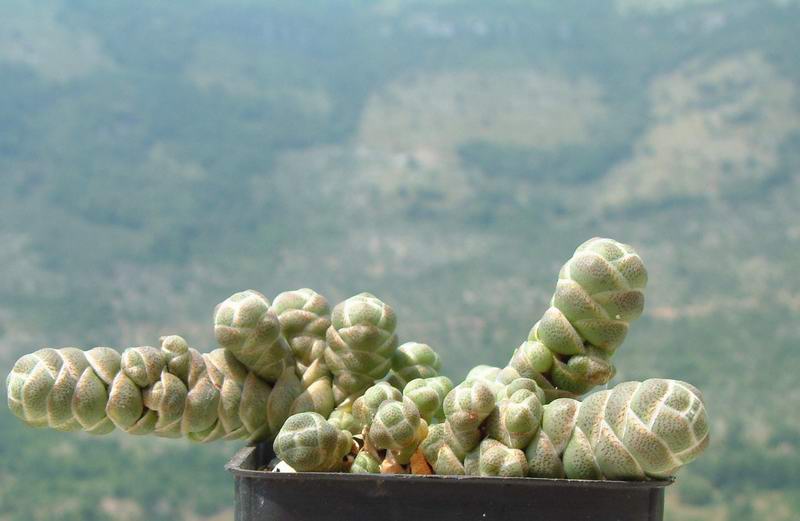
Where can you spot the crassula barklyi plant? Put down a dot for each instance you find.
(413, 360)
(304, 317)
(360, 344)
(366, 406)
(309, 442)
(428, 395)
(398, 428)
(170, 391)
(633, 431)
(245, 325)
(599, 292)
(334, 393)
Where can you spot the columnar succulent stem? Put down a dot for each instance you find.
(171, 392)
(308, 442)
(365, 463)
(493, 458)
(365, 407)
(304, 317)
(636, 430)
(397, 427)
(361, 342)
(245, 325)
(413, 360)
(599, 292)
(293, 371)
(428, 395)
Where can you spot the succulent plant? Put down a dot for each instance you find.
(504, 381)
(289, 372)
(398, 427)
(428, 395)
(366, 406)
(365, 463)
(342, 417)
(599, 292)
(304, 318)
(523, 383)
(444, 452)
(493, 458)
(361, 342)
(245, 325)
(466, 407)
(413, 360)
(285, 394)
(172, 391)
(516, 419)
(636, 430)
(309, 443)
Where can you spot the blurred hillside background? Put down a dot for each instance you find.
(156, 157)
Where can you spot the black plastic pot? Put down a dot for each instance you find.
(311, 496)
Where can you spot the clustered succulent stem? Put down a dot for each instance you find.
(335, 393)
(600, 291)
(171, 392)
